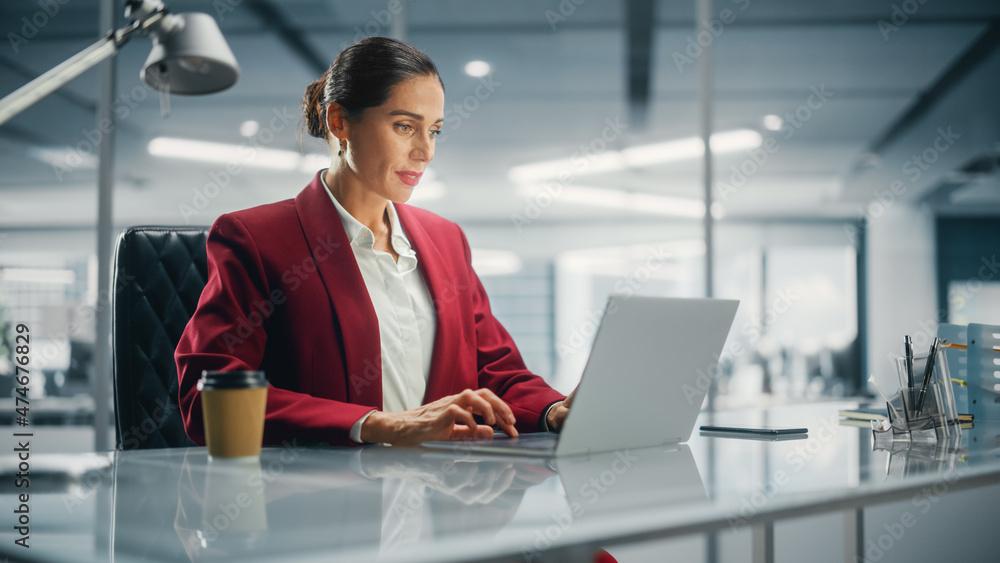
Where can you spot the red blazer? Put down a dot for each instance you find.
(285, 295)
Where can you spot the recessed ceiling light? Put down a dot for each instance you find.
(249, 128)
(773, 122)
(67, 158)
(237, 155)
(638, 156)
(620, 199)
(477, 68)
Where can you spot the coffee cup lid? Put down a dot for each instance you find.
(213, 379)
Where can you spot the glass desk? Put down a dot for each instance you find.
(395, 504)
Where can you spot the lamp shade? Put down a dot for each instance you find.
(191, 57)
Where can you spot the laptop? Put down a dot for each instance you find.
(644, 382)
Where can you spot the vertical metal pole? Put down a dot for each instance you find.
(860, 382)
(854, 535)
(100, 385)
(769, 377)
(397, 29)
(762, 542)
(705, 111)
(712, 538)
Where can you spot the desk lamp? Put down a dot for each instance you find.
(189, 56)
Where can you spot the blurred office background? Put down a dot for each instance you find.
(856, 194)
(856, 189)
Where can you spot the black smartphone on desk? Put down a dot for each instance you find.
(762, 431)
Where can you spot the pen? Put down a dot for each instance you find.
(908, 350)
(928, 371)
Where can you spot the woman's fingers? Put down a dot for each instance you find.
(454, 418)
(465, 433)
(486, 404)
(464, 427)
(569, 400)
(505, 416)
(459, 415)
(509, 429)
(502, 408)
(479, 405)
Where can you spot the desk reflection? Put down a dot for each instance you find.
(384, 497)
(343, 504)
(380, 502)
(222, 511)
(630, 479)
(942, 456)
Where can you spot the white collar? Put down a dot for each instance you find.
(356, 229)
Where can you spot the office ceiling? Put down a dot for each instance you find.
(557, 82)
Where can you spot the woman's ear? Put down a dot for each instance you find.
(336, 123)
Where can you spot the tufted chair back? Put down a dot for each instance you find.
(159, 275)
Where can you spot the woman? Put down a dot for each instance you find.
(364, 312)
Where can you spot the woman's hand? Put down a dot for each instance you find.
(557, 414)
(448, 418)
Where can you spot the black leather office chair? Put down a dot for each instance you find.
(159, 275)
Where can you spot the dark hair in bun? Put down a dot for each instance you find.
(361, 78)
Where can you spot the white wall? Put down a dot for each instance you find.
(901, 294)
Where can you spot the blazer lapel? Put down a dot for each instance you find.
(444, 294)
(338, 268)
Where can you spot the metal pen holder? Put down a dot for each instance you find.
(921, 413)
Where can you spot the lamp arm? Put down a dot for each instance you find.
(26, 96)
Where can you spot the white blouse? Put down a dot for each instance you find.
(405, 311)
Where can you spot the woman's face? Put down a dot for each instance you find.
(392, 144)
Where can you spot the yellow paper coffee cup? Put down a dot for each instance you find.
(233, 405)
